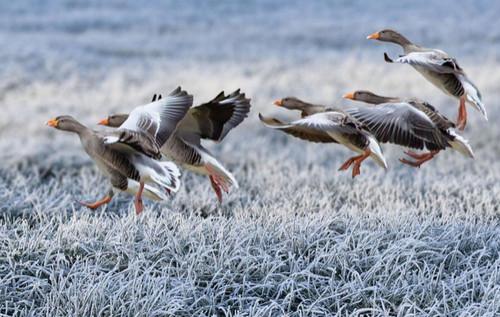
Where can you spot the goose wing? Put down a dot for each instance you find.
(300, 130)
(433, 60)
(399, 123)
(436, 117)
(182, 151)
(213, 120)
(159, 119)
(148, 127)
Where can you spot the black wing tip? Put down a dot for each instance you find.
(271, 121)
(220, 96)
(179, 92)
(236, 99)
(237, 93)
(387, 58)
(240, 98)
(156, 97)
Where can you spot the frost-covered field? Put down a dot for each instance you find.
(298, 238)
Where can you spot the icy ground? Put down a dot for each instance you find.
(298, 238)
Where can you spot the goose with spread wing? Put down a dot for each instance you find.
(326, 125)
(440, 69)
(412, 123)
(211, 121)
(129, 155)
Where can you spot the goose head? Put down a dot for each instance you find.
(65, 123)
(114, 120)
(293, 103)
(368, 97)
(388, 35)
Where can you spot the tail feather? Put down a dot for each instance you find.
(377, 154)
(150, 192)
(215, 168)
(478, 104)
(473, 95)
(169, 178)
(461, 145)
(164, 174)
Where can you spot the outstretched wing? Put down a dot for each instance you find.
(132, 141)
(302, 129)
(399, 123)
(157, 120)
(213, 120)
(436, 117)
(433, 60)
(148, 127)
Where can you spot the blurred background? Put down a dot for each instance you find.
(77, 56)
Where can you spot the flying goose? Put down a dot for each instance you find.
(410, 122)
(439, 68)
(321, 124)
(129, 155)
(213, 121)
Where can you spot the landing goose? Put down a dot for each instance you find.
(320, 124)
(439, 68)
(409, 122)
(213, 121)
(129, 155)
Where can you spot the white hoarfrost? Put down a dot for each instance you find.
(298, 238)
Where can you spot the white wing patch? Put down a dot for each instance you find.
(159, 118)
(324, 120)
(143, 118)
(436, 61)
(110, 139)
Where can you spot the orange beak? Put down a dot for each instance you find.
(278, 102)
(52, 123)
(349, 95)
(373, 36)
(104, 122)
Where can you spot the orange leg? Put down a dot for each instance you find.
(462, 115)
(97, 204)
(222, 184)
(139, 206)
(420, 158)
(356, 170)
(348, 163)
(216, 188)
(416, 156)
(218, 183)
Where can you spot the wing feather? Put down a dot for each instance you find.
(217, 117)
(148, 127)
(159, 119)
(400, 123)
(298, 131)
(433, 60)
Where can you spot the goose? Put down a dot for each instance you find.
(440, 69)
(129, 155)
(409, 122)
(327, 125)
(213, 121)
